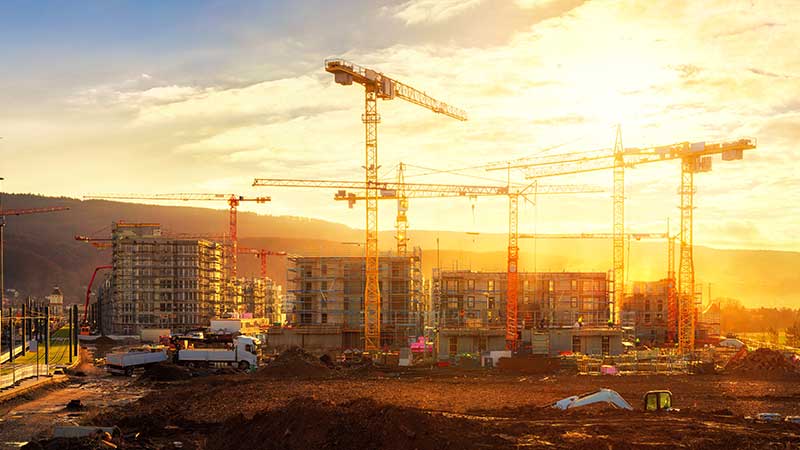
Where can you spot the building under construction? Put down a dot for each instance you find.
(325, 301)
(646, 311)
(162, 282)
(470, 307)
(261, 298)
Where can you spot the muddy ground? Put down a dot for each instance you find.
(34, 415)
(449, 409)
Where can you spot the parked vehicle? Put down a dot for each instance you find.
(243, 353)
(126, 362)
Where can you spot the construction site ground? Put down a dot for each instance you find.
(429, 409)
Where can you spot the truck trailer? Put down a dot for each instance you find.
(125, 363)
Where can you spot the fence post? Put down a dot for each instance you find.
(47, 339)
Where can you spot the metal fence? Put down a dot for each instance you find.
(12, 375)
(4, 357)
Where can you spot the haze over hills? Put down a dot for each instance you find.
(41, 251)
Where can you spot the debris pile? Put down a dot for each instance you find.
(296, 362)
(762, 361)
(307, 423)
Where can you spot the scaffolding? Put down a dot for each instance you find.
(161, 282)
(261, 297)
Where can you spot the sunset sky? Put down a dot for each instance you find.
(158, 97)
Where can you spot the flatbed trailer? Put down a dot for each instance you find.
(124, 363)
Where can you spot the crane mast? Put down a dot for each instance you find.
(618, 262)
(401, 222)
(686, 319)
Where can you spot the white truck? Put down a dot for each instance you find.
(126, 362)
(243, 355)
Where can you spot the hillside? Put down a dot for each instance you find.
(41, 251)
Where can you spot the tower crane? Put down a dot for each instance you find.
(378, 86)
(233, 205)
(262, 255)
(695, 158)
(403, 191)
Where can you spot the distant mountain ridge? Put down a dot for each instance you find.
(41, 251)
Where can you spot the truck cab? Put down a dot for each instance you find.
(248, 349)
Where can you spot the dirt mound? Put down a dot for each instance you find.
(104, 341)
(296, 362)
(103, 345)
(306, 423)
(165, 371)
(762, 362)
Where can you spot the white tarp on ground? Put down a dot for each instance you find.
(602, 395)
